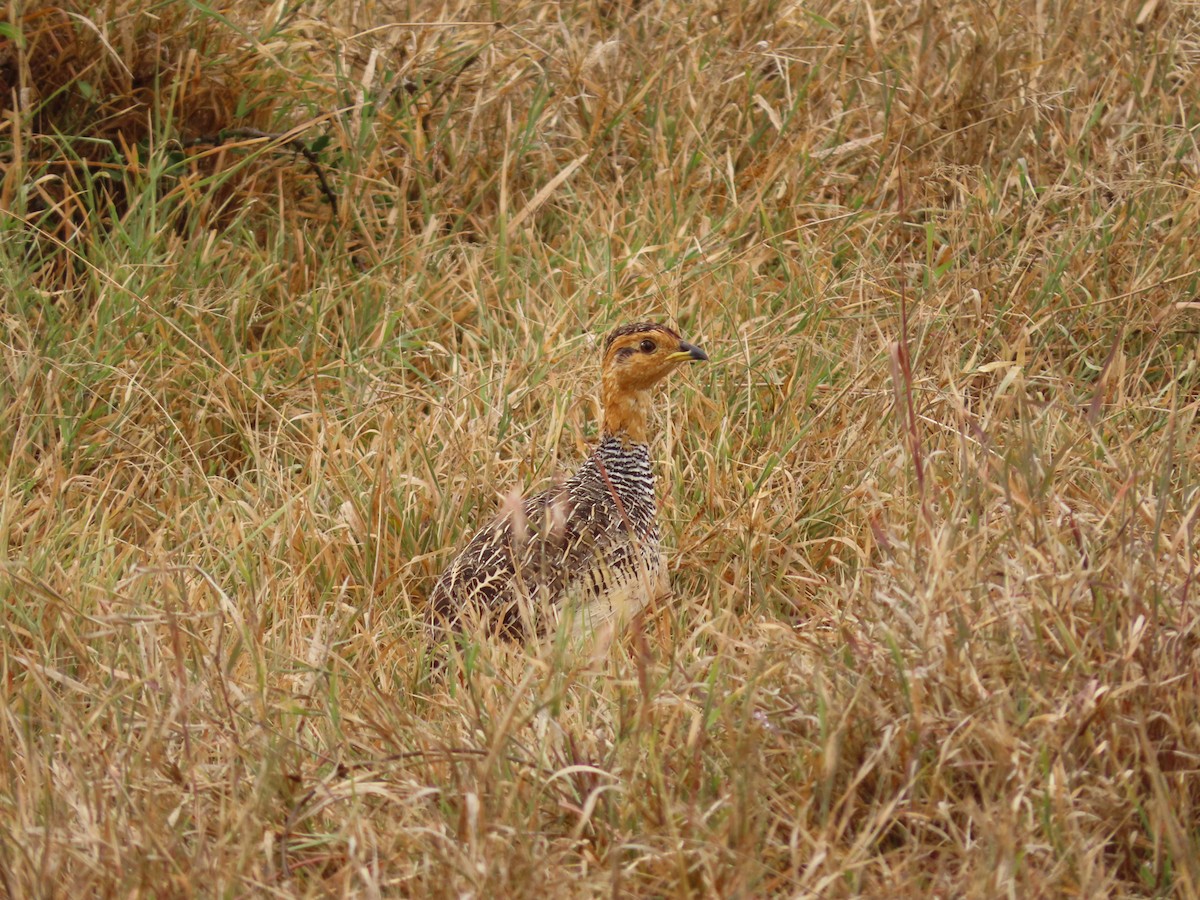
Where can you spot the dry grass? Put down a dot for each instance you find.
(932, 506)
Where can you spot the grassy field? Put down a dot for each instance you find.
(294, 295)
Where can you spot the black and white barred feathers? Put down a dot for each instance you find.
(587, 548)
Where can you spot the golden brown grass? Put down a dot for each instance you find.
(932, 505)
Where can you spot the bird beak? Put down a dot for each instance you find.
(688, 352)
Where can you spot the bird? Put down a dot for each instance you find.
(586, 551)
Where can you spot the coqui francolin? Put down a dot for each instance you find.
(586, 551)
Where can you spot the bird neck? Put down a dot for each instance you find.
(626, 415)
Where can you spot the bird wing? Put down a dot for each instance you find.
(568, 541)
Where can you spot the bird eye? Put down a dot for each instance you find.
(648, 346)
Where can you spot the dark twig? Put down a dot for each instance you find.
(232, 134)
(449, 82)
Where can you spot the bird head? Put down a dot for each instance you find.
(636, 357)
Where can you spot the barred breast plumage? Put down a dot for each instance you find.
(586, 550)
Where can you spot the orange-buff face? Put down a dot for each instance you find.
(636, 357)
